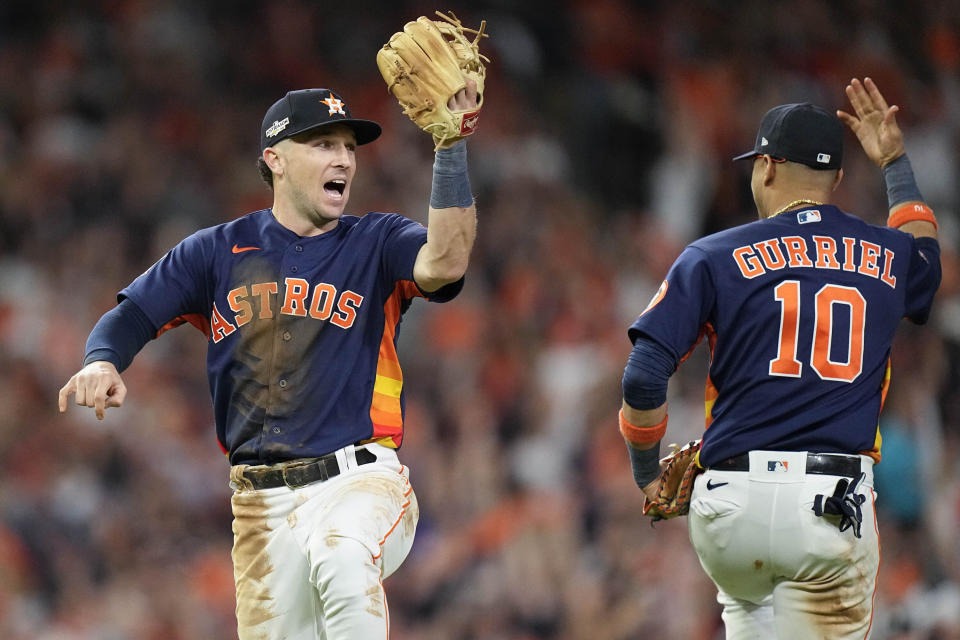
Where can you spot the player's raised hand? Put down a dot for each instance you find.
(97, 385)
(875, 124)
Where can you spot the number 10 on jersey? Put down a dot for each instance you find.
(787, 293)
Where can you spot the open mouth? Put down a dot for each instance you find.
(335, 188)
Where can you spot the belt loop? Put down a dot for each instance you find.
(366, 454)
(346, 458)
(238, 481)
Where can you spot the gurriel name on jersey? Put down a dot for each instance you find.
(827, 252)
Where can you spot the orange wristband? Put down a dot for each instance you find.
(642, 435)
(911, 212)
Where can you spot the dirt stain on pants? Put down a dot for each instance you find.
(251, 562)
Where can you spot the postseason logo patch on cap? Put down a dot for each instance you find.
(277, 127)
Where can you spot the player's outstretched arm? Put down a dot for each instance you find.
(452, 217)
(875, 125)
(97, 385)
(436, 72)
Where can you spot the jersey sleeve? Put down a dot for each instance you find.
(175, 286)
(681, 307)
(402, 244)
(923, 279)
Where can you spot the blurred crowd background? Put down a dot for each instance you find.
(604, 147)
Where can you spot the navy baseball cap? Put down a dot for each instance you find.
(800, 132)
(306, 109)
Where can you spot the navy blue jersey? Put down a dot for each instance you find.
(800, 310)
(301, 331)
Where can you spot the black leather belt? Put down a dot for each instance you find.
(300, 474)
(828, 464)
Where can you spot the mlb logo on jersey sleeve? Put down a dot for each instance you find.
(812, 215)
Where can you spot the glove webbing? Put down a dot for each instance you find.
(844, 502)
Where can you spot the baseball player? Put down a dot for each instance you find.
(301, 305)
(799, 310)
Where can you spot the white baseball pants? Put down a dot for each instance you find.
(782, 572)
(309, 562)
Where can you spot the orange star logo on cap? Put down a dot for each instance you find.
(336, 106)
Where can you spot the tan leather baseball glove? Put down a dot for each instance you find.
(428, 63)
(675, 484)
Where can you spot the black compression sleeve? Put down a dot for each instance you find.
(901, 185)
(645, 464)
(119, 335)
(645, 377)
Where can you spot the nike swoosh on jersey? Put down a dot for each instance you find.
(237, 249)
(711, 485)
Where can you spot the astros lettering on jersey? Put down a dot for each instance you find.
(273, 306)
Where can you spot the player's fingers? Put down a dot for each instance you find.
(466, 98)
(117, 395)
(848, 120)
(857, 97)
(471, 91)
(853, 96)
(890, 117)
(86, 394)
(100, 396)
(65, 392)
(80, 394)
(459, 101)
(454, 102)
(875, 96)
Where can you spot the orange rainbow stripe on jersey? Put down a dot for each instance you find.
(878, 440)
(386, 412)
(710, 392)
(197, 320)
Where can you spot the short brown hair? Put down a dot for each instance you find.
(265, 173)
